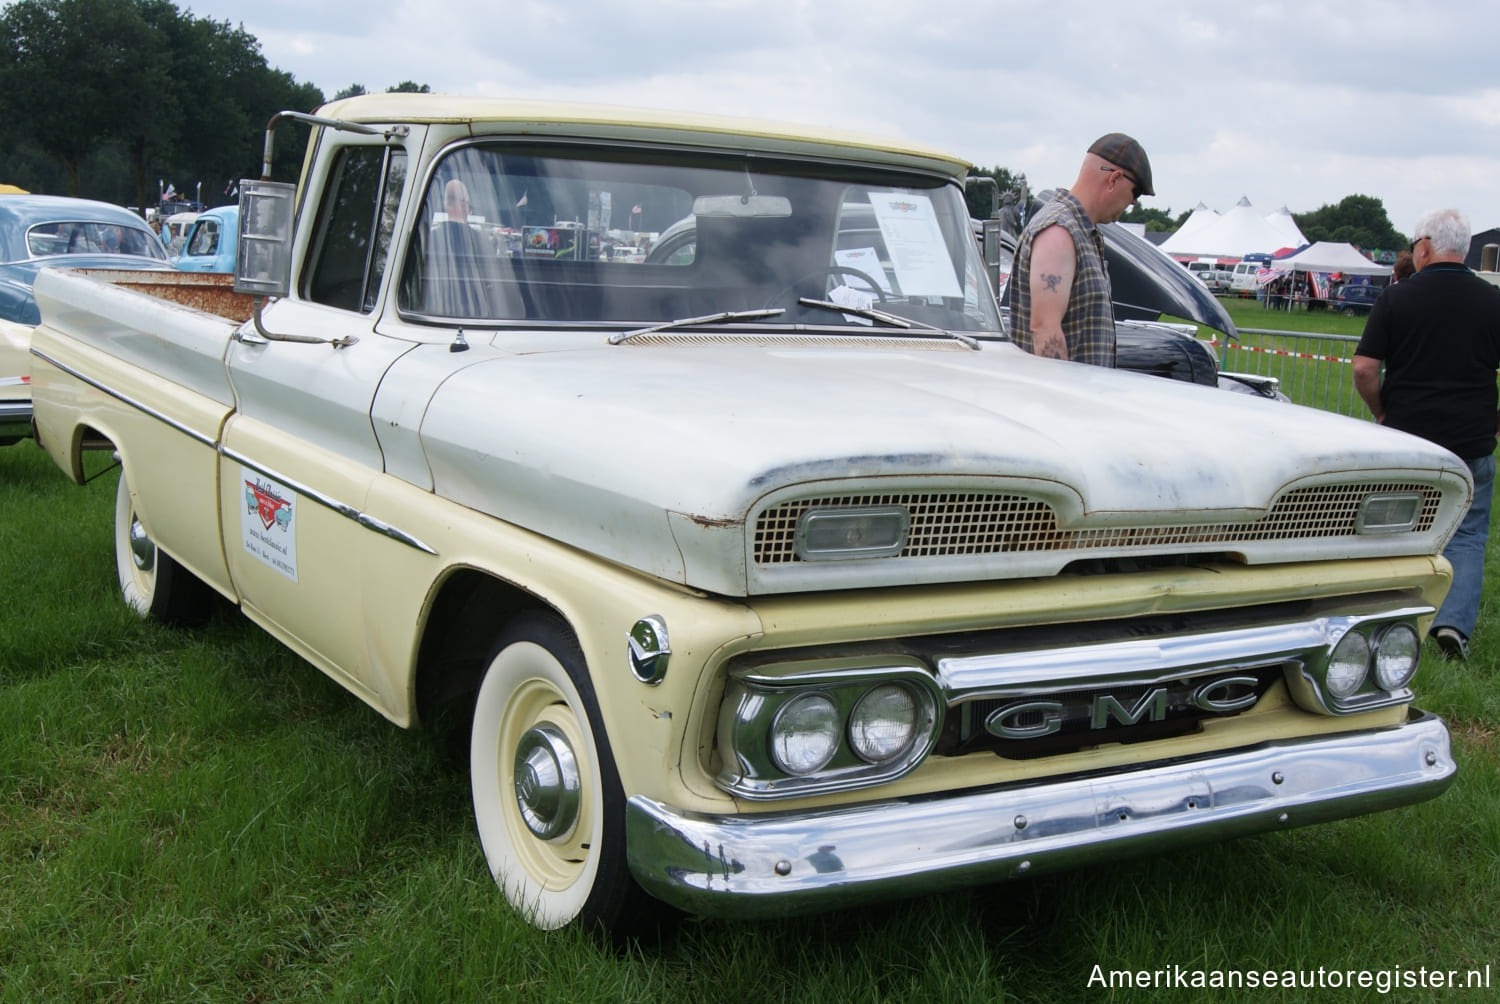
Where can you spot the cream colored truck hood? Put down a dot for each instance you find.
(654, 456)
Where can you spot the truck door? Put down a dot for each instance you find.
(299, 455)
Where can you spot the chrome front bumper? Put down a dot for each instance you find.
(779, 863)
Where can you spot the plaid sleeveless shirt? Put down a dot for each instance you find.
(1089, 322)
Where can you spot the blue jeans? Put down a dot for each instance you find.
(1466, 553)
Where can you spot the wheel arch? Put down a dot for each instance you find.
(468, 612)
(82, 438)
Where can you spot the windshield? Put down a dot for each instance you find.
(639, 236)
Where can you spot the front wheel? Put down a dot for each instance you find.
(547, 799)
(151, 582)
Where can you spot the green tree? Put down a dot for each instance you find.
(408, 87)
(137, 89)
(1360, 220)
(1156, 220)
(352, 91)
(75, 74)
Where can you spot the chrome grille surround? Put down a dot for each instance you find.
(945, 523)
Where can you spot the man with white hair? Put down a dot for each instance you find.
(1438, 334)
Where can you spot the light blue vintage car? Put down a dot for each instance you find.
(210, 244)
(40, 231)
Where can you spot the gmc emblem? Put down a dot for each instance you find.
(1032, 719)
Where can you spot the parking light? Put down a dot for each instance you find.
(840, 532)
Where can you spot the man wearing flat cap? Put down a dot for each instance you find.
(1059, 290)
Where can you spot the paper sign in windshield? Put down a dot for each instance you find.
(268, 529)
(866, 260)
(914, 242)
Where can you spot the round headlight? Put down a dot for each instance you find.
(805, 734)
(1396, 656)
(883, 723)
(1348, 664)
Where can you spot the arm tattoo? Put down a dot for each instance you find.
(1051, 281)
(1050, 351)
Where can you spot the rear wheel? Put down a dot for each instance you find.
(547, 798)
(150, 581)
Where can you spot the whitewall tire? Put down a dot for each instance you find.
(547, 798)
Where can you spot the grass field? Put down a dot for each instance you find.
(1312, 365)
(200, 816)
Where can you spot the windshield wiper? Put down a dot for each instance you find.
(871, 314)
(691, 322)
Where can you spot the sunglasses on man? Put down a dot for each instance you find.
(1135, 186)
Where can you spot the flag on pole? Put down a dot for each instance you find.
(635, 210)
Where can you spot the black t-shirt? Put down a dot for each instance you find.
(1439, 334)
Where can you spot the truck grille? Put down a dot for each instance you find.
(1143, 713)
(959, 523)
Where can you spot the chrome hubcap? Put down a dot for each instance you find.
(547, 782)
(142, 551)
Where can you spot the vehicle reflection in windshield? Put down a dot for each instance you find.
(641, 238)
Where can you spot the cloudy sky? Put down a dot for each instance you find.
(1288, 104)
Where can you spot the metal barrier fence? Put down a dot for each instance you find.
(1314, 369)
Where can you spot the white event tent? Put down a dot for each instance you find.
(1326, 256)
(1199, 219)
(1282, 221)
(1239, 232)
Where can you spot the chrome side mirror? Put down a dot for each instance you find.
(990, 242)
(264, 263)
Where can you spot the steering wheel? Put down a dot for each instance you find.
(825, 272)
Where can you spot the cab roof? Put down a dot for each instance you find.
(501, 116)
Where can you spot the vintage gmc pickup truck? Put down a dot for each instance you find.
(775, 577)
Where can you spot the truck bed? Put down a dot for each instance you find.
(210, 293)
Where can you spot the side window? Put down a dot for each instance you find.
(355, 223)
(205, 239)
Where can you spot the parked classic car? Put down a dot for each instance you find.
(775, 579)
(1355, 298)
(211, 241)
(37, 231)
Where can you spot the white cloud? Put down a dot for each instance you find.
(1294, 104)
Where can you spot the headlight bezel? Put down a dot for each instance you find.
(754, 700)
(1314, 687)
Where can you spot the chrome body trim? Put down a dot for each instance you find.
(127, 399)
(329, 502)
(782, 863)
(15, 419)
(363, 519)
